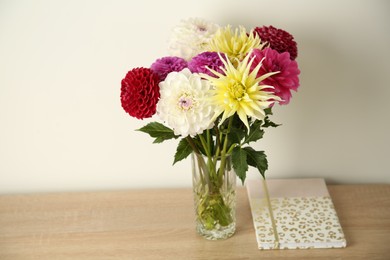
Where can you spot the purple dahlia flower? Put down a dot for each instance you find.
(211, 60)
(162, 67)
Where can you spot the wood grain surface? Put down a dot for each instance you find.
(159, 224)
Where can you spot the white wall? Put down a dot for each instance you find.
(61, 62)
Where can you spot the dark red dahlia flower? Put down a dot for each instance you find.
(278, 39)
(283, 82)
(140, 93)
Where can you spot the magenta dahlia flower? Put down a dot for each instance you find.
(283, 82)
(278, 39)
(211, 60)
(140, 93)
(162, 67)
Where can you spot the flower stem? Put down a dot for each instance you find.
(202, 164)
(212, 173)
(218, 138)
(192, 144)
(205, 145)
(223, 153)
(209, 139)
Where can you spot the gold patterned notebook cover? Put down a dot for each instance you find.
(303, 214)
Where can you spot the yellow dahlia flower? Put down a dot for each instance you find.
(235, 44)
(238, 90)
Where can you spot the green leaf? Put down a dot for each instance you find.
(268, 111)
(268, 123)
(255, 132)
(236, 135)
(239, 160)
(183, 150)
(257, 159)
(158, 131)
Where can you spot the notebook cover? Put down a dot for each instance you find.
(304, 215)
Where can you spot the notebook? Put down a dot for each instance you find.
(303, 214)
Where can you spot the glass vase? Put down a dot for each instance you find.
(214, 187)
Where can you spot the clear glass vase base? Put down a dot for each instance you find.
(219, 233)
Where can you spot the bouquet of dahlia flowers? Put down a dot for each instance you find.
(215, 91)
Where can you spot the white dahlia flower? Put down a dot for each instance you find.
(191, 37)
(184, 103)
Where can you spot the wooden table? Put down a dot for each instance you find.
(159, 224)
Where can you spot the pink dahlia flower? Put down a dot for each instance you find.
(283, 82)
(140, 93)
(162, 67)
(199, 63)
(278, 40)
